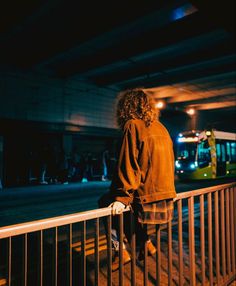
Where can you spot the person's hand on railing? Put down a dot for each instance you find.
(117, 207)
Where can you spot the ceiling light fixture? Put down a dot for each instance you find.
(190, 111)
(160, 104)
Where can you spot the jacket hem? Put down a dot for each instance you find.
(157, 197)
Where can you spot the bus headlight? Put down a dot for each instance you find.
(177, 164)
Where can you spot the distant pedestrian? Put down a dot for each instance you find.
(44, 154)
(75, 159)
(105, 164)
(89, 165)
(144, 175)
(63, 168)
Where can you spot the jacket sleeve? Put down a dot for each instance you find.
(127, 176)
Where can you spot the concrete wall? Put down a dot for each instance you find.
(45, 99)
(30, 97)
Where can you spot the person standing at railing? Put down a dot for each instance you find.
(144, 175)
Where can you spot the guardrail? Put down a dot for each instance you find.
(196, 248)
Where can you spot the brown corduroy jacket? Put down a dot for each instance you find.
(145, 168)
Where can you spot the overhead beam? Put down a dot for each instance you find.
(133, 45)
(207, 47)
(187, 95)
(183, 74)
(214, 105)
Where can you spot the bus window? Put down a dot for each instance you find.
(218, 152)
(204, 156)
(228, 151)
(223, 154)
(221, 158)
(233, 152)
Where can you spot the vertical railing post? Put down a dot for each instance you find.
(202, 240)
(40, 253)
(228, 248)
(83, 252)
(158, 256)
(169, 253)
(210, 258)
(145, 274)
(25, 257)
(97, 251)
(217, 237)
(55, 250)
(9, 260)
(191, 241)
(232, 225)
(121, 240)
(133, 249)
(109, 251)
(180, 242)
(70, 272)
(222, 223)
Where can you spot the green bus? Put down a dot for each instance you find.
(207, 154)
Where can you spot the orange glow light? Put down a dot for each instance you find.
(160, 104)
(191, 111)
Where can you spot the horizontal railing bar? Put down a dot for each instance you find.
(203, 191)
(37, 225)
(43, 224)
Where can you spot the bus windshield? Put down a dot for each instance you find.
(187, 151)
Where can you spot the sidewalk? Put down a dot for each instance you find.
(151, 262)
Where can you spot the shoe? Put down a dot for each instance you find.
(104, 179)
(126, 259)
(150, 248)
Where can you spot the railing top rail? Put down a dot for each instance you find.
(203, 191)
(43, 224)
(48, 223)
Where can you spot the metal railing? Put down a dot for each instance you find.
(196, 248)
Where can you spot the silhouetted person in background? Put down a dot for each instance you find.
(75, 161)
(89, 165)
(63, 167)
(144, 176)
(43, 164)
(105, 164)
(82, 166)
(52, 165)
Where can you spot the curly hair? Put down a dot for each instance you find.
(135, 104)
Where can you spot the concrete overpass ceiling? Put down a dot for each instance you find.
(181, 51)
